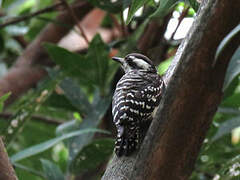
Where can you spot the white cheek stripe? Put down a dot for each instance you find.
(141, 63)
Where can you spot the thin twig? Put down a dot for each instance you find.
(72, 13)
(116, 23)
(21, 41)
(124, 32)
(48, 120)
(182, 16)
(28, 16)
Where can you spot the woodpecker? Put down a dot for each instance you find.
(137, 95)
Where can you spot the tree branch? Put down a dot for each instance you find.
(193, 93)
(28, 16)
(27, 70)
(180, 19)
(153, 42)
(75, 18)
(116, 24)
(44, 119)
(6, 169)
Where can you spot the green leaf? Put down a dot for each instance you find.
(231, 89)
(77, 116)
(28, 107)
(30, 170)
(2, 99)
(233, 69)
(164, 7)
(230, 169)
(59, 101)
(194, 4)
(67, 127)
(48, 144)
(91, 70)
(76, 96)
(232, 101)
(98, 56)
(135, 5)
(113, 67)
(226, 41)
(92, 120)
(164, 65)
(126, 3)
(51, 170)
(92, 155)
(226, 110)
(71, 63)
(226, 127)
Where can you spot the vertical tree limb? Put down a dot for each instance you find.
(6, 170)
(153, 37)
(193, 93)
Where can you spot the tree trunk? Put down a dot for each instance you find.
(6, 169)
(193, 93)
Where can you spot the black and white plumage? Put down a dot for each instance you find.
(137, 95)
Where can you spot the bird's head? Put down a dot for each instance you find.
(135, 61)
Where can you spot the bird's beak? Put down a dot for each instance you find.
(118, 59)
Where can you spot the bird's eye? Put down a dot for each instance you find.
(128, 59)
(132, 64)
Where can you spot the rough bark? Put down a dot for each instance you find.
(193, 93)
(6, 170)
(27, 70)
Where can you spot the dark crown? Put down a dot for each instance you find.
(135, 61)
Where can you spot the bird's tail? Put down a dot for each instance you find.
(127, 142)
(130, 138)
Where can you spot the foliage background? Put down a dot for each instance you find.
(61, 128)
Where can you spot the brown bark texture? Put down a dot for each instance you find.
(193, 93)
(28, 69)
(6, 170)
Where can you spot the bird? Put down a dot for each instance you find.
(135, 99)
